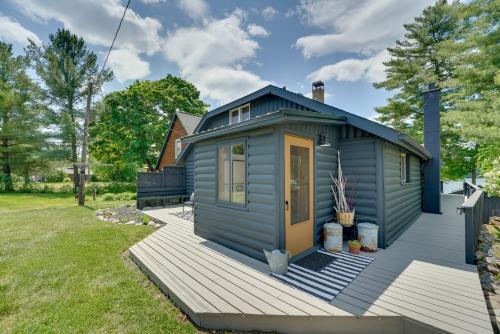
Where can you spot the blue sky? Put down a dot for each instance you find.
(230, 48)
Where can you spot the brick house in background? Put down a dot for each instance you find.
(183, 124)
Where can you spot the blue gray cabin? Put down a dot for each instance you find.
(260, 170)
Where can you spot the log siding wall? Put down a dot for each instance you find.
(403, 202)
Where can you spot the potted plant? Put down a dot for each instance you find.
(354, 246)
(342, 204)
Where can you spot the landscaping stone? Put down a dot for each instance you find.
(151, 223)
(488, 266)
(127, 214)
(158, 225)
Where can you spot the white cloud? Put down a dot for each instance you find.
(370, 69)
(212, 57)
(13, 32)
(96, 21)
(363, 26)
(196, 9)
(256, 30)
(269, 12)
(127, 65)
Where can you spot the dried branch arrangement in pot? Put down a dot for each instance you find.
(342, 203)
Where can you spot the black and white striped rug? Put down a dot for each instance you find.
(328, 282)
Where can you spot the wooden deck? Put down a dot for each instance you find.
(420, 284)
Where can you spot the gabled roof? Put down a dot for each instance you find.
(189, 123)
(365, 124)
(280, 116)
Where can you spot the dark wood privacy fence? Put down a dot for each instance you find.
(478, 207)
(158, 188)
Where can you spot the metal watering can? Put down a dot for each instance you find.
(278, 260)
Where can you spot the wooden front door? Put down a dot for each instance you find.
(299, 194)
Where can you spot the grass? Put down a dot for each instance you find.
(64, 271)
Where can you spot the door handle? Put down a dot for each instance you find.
(286, 205)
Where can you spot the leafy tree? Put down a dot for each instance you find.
(19, 121)
(64, 64)
(132, 123)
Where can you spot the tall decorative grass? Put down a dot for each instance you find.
(342, 203)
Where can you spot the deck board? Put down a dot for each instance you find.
(419, 284)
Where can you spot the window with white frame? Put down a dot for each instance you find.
(239, 114)
(178, 147)
(231, 169)
(405, 168)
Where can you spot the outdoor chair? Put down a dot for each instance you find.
(189, 203)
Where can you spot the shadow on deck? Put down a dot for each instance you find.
(420, 284)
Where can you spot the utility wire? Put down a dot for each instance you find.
(114, 39)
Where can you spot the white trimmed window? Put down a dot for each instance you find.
(231, 170)
(178, 147)
(239, 114)
(405, 168)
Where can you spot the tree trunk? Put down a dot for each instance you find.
(81, 198)
(74, 154)
(6, 168)
(7, 172)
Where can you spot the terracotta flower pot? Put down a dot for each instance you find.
(354, 249)
(345, 218)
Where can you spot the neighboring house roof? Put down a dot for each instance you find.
(189, 123)
(375, 128)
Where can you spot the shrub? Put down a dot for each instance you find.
(46, 189)
(119, 187)
(67, 179)
(66, 188)
(108, 197)
(492, 179)
(145, 219)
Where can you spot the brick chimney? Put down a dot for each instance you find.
(318, 91)
(432, 142)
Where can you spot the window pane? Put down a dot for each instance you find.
(223, 170)
(235, 116)
(239, 173)
(403, 167)
(245, 113)
(299, 183)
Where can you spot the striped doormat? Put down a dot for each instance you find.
(328, 282)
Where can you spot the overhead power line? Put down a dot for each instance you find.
(114, 39)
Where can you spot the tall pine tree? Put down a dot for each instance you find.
(20, 137)
(64, 64)
(416, 61)
(475, 85)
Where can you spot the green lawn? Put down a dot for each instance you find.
(64, 271)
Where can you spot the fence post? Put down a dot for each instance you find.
(473, 208)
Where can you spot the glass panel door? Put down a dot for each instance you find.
(299, 184)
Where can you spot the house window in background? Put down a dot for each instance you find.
(405, 168)
(239, 114)
(178, 147)
(231, 169)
